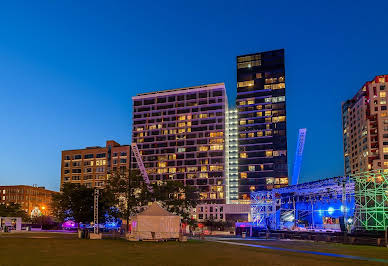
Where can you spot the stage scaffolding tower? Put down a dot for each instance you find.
(371, 197)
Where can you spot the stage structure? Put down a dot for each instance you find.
(326, 204)
(371, 196)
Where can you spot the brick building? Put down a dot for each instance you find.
(93, 165)
(29, 197)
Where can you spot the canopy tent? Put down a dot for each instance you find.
(155, 223)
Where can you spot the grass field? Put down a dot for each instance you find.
(65, 249)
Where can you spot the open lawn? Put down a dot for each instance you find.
(336, 248)
(65, 249)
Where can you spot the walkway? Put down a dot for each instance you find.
(304, 251)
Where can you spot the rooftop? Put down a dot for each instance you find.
(180, 89)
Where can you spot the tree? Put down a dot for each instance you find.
(76, 202)
(13, 210)
(130, 192)
(177, 198)
(133, 195)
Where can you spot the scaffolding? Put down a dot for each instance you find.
(263, 208)
(268, 206)
(371, 197)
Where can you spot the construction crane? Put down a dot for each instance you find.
(298, 156)
(140, 164)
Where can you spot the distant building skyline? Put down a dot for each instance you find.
(365, 127)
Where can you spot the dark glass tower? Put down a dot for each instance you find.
(261, 104)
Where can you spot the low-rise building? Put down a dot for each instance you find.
(93, 165)
(33, 199)
(223, 212)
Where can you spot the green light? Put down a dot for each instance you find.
(371, 198)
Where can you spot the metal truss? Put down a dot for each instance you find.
(265, 204)
(371, 197)
(263, 208)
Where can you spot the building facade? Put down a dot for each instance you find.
(365, 128)
(222, 212)
(261, 105)
(31, 198)
(231, 150)
(180, 134)
(93, 165)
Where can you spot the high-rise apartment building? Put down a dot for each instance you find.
(231, 149)
(93, 165)
(261, 105)
(365, 127)
(32, 199)
(180, 134)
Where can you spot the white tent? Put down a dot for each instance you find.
(155, 223)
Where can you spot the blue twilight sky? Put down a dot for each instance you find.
(68, 69)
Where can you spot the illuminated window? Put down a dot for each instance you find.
(203, 195)
(259, 114)
(268, 133)
(243, 175)
(267, 113)
(251, 135)
(243, 155)
(216, 168)
(203, 168)
(181, 124)
(203, 148)
(162, 164)
(203, 115)
(216, 134)
(216, 147)
(243, 135)
(259, 75)
(252, 188)
(182, 117)
(269, 180)
(260, 133)
(383, 114)
(278, 119)
(243, 122)
(382, 94)
(268, 153)
(182, 130)
(162, 170)
(385, 163)
(203, 175)
(242, 103)
(385, 149)
(251, 168)
(284, 181)
(172, 170)
(192, 169)
(251, 121)
(247, 83)
(181, 149)
(172, 156)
